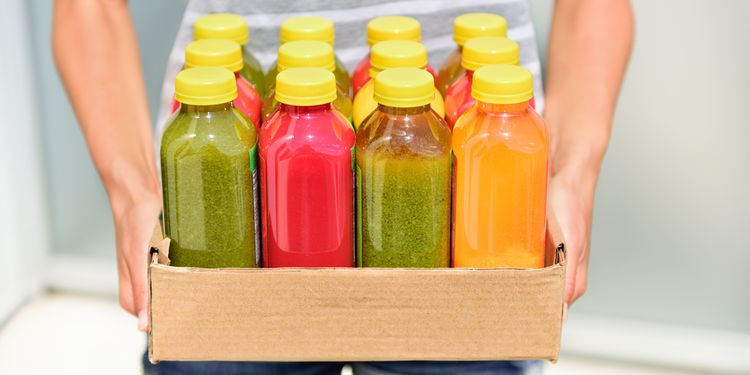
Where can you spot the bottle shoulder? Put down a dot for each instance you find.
(486, 128)
(325, 129)
(226, 128)
(416, 134)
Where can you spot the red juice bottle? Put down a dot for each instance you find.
(306, 163)
(381, 29)
(225, 54)
(477, 52)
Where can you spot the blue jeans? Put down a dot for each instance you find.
(326, 368)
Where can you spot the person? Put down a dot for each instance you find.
(589, 47)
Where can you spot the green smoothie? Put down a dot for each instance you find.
(404, 176)
(208, 178)
(404, 211)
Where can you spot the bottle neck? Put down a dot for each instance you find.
(469, 74)
(403, 111)
(298, 110)
(193, 109)
(502, 108)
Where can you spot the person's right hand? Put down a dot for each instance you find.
(135, 220)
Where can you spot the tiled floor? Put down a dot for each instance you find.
(72, 334)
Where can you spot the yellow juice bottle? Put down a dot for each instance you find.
(500, 148)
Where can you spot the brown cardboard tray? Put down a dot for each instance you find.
(355, 314)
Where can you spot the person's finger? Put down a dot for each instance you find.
(582, 276)
(570, 278)
(137, 262)
(125, 290)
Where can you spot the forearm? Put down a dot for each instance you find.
(590, 42)
(96, 52)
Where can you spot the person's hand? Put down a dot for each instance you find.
(135, 218)
(571, 203)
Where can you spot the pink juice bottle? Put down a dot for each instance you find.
(381, 29)
(306, 161)
(225, 54)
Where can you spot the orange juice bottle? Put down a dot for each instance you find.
(500, 164)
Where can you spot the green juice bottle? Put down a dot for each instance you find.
(233, 27)
(208, 168)
(403, 156)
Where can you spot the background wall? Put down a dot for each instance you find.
(671, 215)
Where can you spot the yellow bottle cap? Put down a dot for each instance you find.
(205, 86)
(487, 50)
(404, 87)
(214, 52)
(306, 54)
(307, 28)
(502, 84)
(472, 25)
(305, 86)
(397, 54)
(385, 28)
(221, 26)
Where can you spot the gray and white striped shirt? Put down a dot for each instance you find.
(350, 19)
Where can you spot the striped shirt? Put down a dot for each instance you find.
(350, 18)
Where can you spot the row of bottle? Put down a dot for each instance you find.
(394, 43)
(308, 167)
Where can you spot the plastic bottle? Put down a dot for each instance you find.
(224, 54)
(388, 55)
(307, 159)
(465, 27)
(308, 54)
(208, 169)
(403, 176)
(477, 52)
(311, 28)
(232, 27)
(379, 30)
(500, 149)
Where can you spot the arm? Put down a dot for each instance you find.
(590, 42)
(96, 53)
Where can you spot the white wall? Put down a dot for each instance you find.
(671, 218)
(23, 231)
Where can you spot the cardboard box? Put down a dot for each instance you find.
(355, 314)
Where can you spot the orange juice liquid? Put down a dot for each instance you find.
(500, 190)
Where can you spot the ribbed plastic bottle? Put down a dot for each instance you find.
(388, 55)
(311, 28)
(306, 164)
(233, 27)
(384, 28)
(224, 54)
(477, 52)
(403, 176)
(307, 54)
(208, 170)
(500, 149)
(465, 27)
